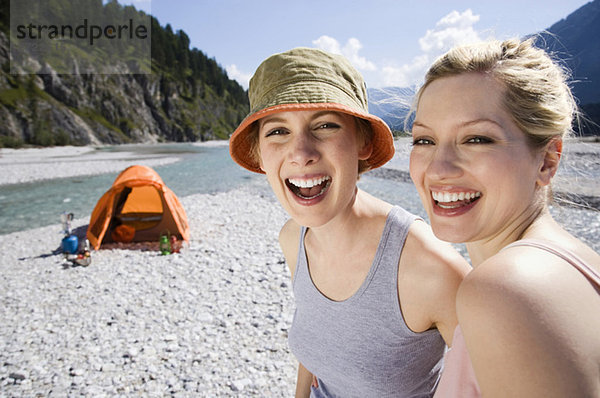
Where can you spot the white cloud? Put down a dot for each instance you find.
(451, 30)
(407, 74)
(234, 73)
(328, 44)
(350, 51)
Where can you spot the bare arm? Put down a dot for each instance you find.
(289, 238)
(303, 383)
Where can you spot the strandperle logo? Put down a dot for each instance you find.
(82, 31)
(78, 36)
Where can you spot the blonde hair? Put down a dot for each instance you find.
(537, 95)
(364, 133)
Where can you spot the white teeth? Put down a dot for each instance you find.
(447, 197)
(308, 183)
(448, 206)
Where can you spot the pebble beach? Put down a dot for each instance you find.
(209, 321)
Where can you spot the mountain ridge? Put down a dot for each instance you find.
(569, 40)
(391, 104)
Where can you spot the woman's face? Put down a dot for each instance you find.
(311, 161)
(472, 166)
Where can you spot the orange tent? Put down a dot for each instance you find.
(138, 207)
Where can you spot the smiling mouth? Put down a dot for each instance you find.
(308, 188)
(447, 200)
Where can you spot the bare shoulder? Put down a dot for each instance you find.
(289, 237)
(431, 256)
(498, 294)
(527, 315)
(429, 274)
(527, 279)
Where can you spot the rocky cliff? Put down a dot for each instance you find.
(86, 107)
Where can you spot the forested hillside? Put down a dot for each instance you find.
(181, 95)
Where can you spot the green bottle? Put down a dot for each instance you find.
(164, 245)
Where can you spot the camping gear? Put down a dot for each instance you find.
(70, 244)
(83, 257)
(138, 207)
(66, 219)
(123, 233)
(175, 244)
(164, 245)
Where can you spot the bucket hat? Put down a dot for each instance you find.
(306, 79)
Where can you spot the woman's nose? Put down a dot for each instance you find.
(444, 164)
(304, 150)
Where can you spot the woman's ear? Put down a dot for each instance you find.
(366, 150)
(550, 161)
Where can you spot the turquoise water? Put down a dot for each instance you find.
(201, 170)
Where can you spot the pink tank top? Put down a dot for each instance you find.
(458, 377)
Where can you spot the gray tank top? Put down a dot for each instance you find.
(361, 347)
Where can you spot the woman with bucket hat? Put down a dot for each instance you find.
(374, 289)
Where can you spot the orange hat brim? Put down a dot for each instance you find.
(240, 143)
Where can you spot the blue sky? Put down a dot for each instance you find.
(391, 42)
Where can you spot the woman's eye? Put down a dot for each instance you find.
(328, 126)
(422, 141)
(275, 132)
(479, 140)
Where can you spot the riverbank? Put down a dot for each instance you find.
(209, 321)
(36, 164)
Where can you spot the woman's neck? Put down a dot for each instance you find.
(344, 229)
(535, 220)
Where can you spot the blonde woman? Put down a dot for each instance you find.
(488, 135)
